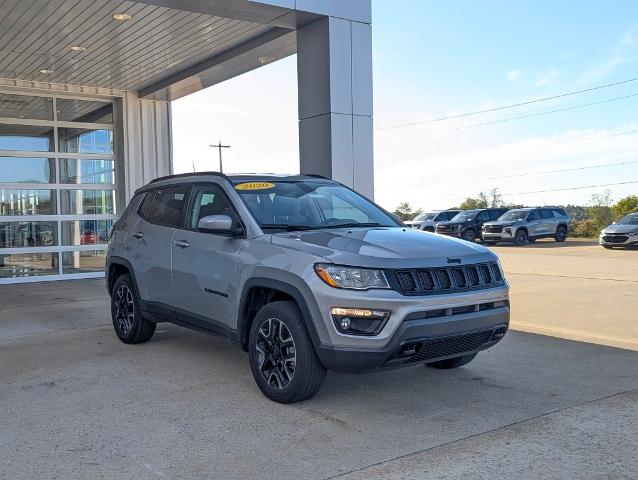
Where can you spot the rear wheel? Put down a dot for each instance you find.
(452, 362)
(521, 237)
(282, 359)
(561, 234)
(129, 325)
(469, 235)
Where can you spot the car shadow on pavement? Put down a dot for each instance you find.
(550, 244)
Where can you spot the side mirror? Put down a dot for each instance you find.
(221, 224)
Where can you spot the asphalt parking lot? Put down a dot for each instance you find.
(76, 403)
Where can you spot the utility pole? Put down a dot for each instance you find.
(219, 146)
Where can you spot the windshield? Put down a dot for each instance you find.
(425, 216)
(514, 216)
(631, 219)
(465, 216)
(309, 205)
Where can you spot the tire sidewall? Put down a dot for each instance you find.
(561, 234)
(469, 233)
(521, 237)
(130, 336)
(289, 315)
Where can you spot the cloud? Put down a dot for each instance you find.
(514, 74)
(621, 53)
(545, 78)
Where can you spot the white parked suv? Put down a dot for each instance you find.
(428, 220)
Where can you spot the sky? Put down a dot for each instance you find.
(437, 58)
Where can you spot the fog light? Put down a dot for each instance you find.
(359, 321)
(508, 231)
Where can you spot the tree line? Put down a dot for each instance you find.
(587, 220)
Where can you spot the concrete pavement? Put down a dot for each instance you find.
(77, 403)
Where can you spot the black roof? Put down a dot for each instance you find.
(241, 177)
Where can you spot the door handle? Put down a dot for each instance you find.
(182, 243)
(138, 235)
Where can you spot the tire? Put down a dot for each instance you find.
(130, 327)
(561, 234)
(521, 237)
(278, 341)
(452, 362)
(469, 235)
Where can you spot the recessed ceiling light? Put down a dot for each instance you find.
(121, 16)
(46, 70)
(77, 48)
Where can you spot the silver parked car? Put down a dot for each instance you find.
(523, 225)
(621, 234)
(427, 221)
(302, 273)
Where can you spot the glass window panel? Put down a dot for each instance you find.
(86, 232)
(87, 202)
(27, 234)
(168, 206)
(84, 140)
(85, 111)
(24, 106)
(27, 170)
(83, 262)
(26, 138)
(28, 264)
(27, 202)
(87, 171)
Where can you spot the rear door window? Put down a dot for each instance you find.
(534, 215)
(546, 214)
(167, 206)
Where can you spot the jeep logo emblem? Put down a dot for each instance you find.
(453, 260)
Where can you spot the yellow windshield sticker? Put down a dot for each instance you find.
(255, 186)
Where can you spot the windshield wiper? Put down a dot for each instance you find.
(287, 228)
(354, 224)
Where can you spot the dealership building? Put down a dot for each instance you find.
(85, 106)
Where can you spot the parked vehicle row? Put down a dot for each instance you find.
(494, 225)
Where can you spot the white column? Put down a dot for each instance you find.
(145, 152)
(334, 70)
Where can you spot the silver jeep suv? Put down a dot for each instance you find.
(304, 274)
(523, 225)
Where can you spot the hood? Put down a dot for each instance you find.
(500, 224)
(618, 228)
(384, 247)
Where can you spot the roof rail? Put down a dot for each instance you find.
(191, 174)
(315, 175)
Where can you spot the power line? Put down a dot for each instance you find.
(596, 140)
(528, 174)
(553, 190)
(615, 99)
(496, 109)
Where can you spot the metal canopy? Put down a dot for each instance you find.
(166, 50)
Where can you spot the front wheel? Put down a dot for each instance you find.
(452, 362)
(470, 236)
(282, 358)
(561, 234)
(129, 325)
(521, 237)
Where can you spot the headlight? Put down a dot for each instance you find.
(456, 227)
(351, 277)
(631, 234)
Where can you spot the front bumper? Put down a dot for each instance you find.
(618, 240)
(423, 340)
(503, 236)
(455, 233)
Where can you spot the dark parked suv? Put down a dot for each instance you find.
(468, 224)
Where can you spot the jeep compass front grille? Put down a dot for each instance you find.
(447, 279)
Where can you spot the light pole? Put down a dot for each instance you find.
(219, 146)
